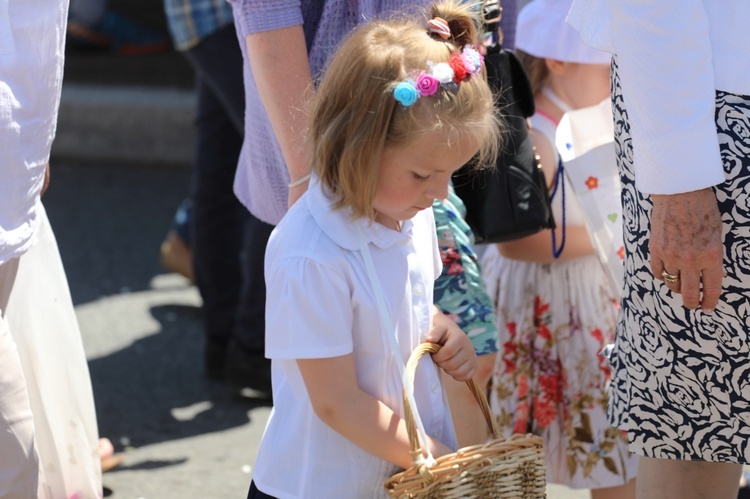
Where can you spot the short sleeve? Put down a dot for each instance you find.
(308, 311)
(255, 16)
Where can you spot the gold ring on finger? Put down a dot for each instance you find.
(670, 278)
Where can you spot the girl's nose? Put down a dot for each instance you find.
(439, 190)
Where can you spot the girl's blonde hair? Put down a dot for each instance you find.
(355, 115)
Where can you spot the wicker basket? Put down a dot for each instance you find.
(501, 468)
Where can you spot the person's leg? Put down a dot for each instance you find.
(626, 491)
(246, 362)
(229, 243)
(19, 464)
(217, 221)
(667, 478)
(217, 60)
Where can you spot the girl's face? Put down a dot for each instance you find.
(413, 175)
(583, 84)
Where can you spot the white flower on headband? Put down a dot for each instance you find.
(442, 72)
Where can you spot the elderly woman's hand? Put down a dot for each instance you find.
(686, 246)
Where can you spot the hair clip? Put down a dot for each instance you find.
(439, 26)
(446, 75)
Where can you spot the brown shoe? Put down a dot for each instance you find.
(176, 256)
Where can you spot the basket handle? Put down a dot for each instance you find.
(411, 426)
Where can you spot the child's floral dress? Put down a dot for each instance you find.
(549, 379)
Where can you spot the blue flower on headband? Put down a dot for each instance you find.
(406, 92)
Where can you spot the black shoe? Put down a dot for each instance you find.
(247, 369)
(214, 360)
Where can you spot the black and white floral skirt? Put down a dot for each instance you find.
(680, 378)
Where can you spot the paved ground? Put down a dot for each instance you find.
(182, 437)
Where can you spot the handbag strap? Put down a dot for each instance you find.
(559, 182)
(410, 403)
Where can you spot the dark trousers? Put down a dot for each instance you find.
(254, 493)
(228, 244)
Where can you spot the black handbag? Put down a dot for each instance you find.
(510, 200)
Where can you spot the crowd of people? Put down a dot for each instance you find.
(326, 240)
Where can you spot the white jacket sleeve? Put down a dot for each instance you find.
(664, 54)
(663, 50)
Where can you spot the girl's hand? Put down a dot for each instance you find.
(457, 357)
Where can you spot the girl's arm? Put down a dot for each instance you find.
(356, 415)
(538, 248)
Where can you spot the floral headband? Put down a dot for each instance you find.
(443, 74)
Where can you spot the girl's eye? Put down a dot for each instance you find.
(418, 176)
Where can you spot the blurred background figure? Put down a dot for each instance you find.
(215, 241)
(92, 25)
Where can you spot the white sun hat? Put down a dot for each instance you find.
(541, 31)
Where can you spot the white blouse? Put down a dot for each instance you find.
(319, 305)
(672, 55)
(32, 45)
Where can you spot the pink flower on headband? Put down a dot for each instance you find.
(427, 84)
(472, 59)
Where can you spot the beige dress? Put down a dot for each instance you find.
(38, 310)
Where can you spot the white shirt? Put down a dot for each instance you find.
(32, 44)
(673, 55)
(320, 304)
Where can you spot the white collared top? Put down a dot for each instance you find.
(32, 45)
(320, 304)
(673, 55)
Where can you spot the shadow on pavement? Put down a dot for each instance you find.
(154, 390)
(148, 465)
(147, 370)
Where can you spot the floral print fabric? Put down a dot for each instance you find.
(681, 378)
(549, 378)
(460, 291)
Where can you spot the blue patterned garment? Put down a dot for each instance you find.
(460, 291)
(681, 378)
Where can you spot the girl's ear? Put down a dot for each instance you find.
(556, 67)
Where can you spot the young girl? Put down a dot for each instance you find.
(403, 105)
(554, 316)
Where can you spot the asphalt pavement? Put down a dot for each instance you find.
(120, 167)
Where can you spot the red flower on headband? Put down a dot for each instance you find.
(458, 67)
